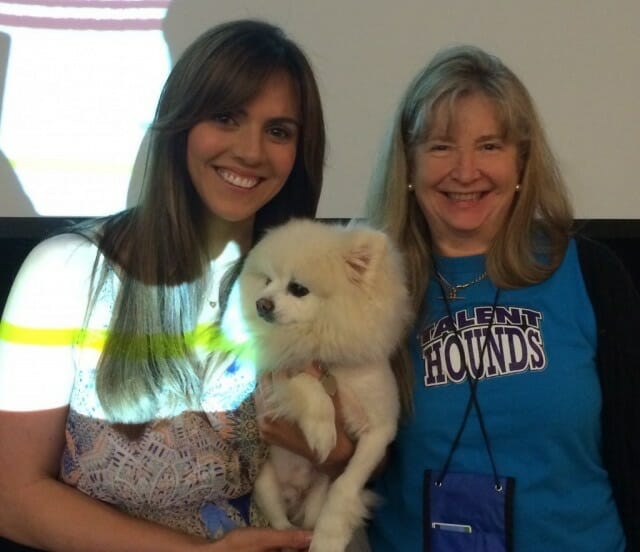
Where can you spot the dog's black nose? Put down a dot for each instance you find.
(264, 306)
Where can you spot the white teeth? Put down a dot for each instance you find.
(237, 180)
(458, 196)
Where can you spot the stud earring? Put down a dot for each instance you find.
(517, 188)
(410, 187)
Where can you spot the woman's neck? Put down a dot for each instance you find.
(459, 249)
(222, 233)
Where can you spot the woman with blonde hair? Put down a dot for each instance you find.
(124, 423)
(521, 368)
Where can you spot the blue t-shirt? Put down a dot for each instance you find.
(540, 398)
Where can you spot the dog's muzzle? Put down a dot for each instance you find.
(265, 308)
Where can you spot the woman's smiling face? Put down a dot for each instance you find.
(239, 161)
(465, 175)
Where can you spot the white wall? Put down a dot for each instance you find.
(579, 58)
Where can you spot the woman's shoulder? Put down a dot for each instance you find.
(64, 254)
(62, 250)
(53, 278)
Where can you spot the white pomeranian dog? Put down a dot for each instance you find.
(335, 295)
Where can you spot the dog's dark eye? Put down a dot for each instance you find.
(267, 281)
(297, 290)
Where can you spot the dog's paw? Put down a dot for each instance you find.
(282, 524)
(343, 512)
(332, 541)
(321, 436)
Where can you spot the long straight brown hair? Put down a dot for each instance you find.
(159, 248)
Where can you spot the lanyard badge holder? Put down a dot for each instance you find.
(465, 512)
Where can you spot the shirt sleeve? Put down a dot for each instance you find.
(44, 312)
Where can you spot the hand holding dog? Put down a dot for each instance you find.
(288, 435)
(252, 539)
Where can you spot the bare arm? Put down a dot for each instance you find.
(35, 384)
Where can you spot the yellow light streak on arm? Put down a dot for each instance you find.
(50, 337)
(205, 336)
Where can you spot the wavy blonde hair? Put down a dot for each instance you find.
(533, 240)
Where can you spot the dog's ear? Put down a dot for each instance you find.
(365, 249)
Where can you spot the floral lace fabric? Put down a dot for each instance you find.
(185, 472)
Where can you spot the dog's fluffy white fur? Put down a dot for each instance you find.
(337, 295)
